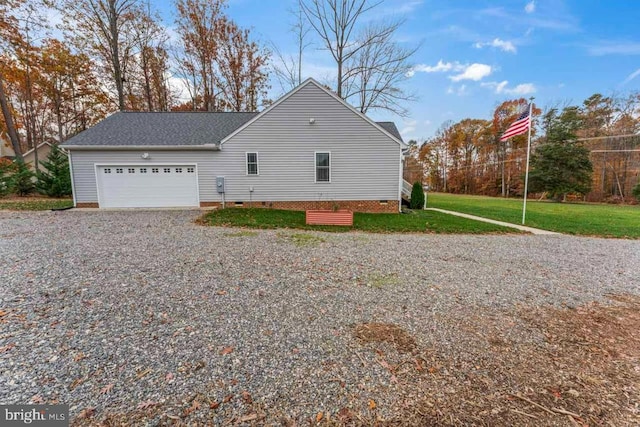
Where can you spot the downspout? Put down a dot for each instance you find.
(400, 179)
(73, 186)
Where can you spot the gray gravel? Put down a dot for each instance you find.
(147, 301)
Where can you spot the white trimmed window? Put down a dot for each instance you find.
(252, 163)
(323, 166)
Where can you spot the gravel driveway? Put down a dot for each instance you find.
(116, 312)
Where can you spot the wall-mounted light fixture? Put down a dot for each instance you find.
(145, 156)
(312, 121)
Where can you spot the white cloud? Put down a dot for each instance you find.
(504, 45)
(409, 127)
(409, 7)
(460, 90)
(440, 67)
(530, 7)
(473, 72)
(502, 88)
(612, 47)
(522, 89)
(631, 76)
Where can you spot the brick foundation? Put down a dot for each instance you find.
(373, 206)
(210, 204)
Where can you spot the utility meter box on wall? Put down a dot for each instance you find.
(220, 184)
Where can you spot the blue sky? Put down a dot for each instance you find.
(476, 54)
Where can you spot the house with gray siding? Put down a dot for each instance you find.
(308, 150)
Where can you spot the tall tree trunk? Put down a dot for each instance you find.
(8, 119)
(115, 57)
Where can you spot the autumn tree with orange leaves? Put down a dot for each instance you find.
(223, 69)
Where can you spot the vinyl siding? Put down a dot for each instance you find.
(365, 162)
(85, 178)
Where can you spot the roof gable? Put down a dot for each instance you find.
(387, 128)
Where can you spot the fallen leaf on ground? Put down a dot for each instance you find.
(106, 389)
(143, 374)
(372, 404)
(214, 405)
(246, 397)
(227, 398)
(7, 347)
(87, 413)
(226, 350)
(146, 405)
(168, 377)
(37, 399)
(319, 416)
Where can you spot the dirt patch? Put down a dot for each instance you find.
(585, 371)
(385, 332)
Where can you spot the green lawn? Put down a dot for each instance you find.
(413, 222)
(33, 204)
(587, 219)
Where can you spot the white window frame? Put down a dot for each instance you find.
(246, 163)
(315, 166)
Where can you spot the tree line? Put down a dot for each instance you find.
(590, 149)
(116, 55)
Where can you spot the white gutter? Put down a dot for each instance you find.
(209, 147)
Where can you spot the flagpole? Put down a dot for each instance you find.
(526, 175)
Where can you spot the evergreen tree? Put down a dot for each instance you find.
(417, 196)
(22, 179)
(561, 165)
(55, 180)
(6, 184)
(636, 191)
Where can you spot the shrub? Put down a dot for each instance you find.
(417, 196)
(6, 184)
(55, 180)
(636, 191)
(22, 179)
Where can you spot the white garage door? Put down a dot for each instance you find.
(148, 186)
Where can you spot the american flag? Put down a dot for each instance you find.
(520, 126)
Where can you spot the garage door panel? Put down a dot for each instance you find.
(148, 186)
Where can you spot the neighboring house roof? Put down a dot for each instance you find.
(129, 129)
(6, 150)
(26, 153)
(160, 129)
(391, 128)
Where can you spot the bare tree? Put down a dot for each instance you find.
(375, 72)
(104, 27)
(288, 68)
(370, 64)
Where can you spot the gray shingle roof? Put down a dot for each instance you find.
(170, 129)
(161, 128)
(391, 128)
